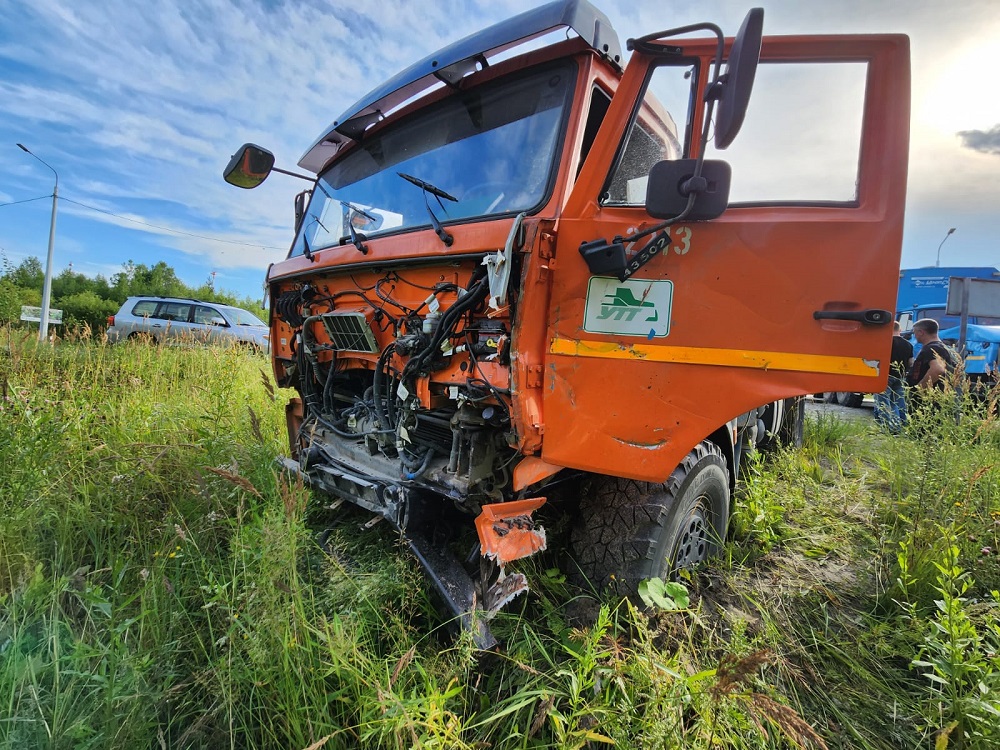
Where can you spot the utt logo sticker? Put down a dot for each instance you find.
(630, 308)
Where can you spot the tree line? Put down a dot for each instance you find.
(88, 301)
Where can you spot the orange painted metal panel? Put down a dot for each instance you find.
(507, 531)
(749, 282)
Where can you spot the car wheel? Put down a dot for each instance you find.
(630, 531)
(141, 337)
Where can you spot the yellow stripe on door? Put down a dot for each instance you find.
(694, 355)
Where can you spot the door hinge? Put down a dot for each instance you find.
(534, 376)
(547, 246)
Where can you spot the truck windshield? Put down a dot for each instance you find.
(493, 148)
(950, 321)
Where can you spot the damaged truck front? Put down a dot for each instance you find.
(516, 264)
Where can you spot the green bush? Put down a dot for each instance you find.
(86, 309)
(12, 297)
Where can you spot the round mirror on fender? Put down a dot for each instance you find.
(741, 67)
(249, 166)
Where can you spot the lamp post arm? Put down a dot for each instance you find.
(937, 263)
(27, 151)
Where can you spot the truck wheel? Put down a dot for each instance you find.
(789, 430)
(854, 400)
(630, 531)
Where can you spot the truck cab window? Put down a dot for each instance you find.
(599, 103)
(801, 140)
(654, 134)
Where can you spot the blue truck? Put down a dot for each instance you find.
(923, 293)
(927, 288)
(982, 349)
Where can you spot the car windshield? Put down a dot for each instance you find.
(243, 318)
(492, 149)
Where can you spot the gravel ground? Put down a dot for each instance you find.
(814, 406)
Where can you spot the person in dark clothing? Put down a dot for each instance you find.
(931, 365)
(890, 405)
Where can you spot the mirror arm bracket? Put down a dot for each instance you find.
(294, 174)
(658, 50)
(641, 44)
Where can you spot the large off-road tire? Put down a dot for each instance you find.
(630, 531)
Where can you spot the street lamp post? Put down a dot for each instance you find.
(937, 263)
(43, 326)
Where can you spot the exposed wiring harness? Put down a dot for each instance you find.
(303, 308)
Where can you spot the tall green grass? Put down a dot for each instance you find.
(162, 585)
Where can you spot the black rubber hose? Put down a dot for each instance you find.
(410, 462)
(305, 385)
(383, 419)
(410, 475)
(328, 403)
(448, 322)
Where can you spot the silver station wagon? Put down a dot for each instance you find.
(173, 319)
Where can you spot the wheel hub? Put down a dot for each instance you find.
(692, 547)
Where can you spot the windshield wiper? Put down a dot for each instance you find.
(357, 239)
(438, 193)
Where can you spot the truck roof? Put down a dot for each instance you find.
(946, 271)
(451, 64)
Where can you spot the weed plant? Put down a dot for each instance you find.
(162, 585)
(879, 592)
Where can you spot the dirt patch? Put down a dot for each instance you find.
(778, 585)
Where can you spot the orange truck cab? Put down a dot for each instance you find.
(522, 273)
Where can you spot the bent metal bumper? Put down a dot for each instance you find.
(506, 533)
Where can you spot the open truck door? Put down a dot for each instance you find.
(788, 292)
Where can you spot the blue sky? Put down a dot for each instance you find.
(138, 106)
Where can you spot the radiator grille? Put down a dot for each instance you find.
(349, 331)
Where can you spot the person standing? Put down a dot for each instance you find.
(931, 364)
(890, 405)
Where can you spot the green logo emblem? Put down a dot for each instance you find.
(622, 305)
(636, 307)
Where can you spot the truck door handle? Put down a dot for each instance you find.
(868, 317)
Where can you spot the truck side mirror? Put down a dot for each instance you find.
(249, 166)
(737, 81)
(672, 182)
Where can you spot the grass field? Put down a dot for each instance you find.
(162, 586)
